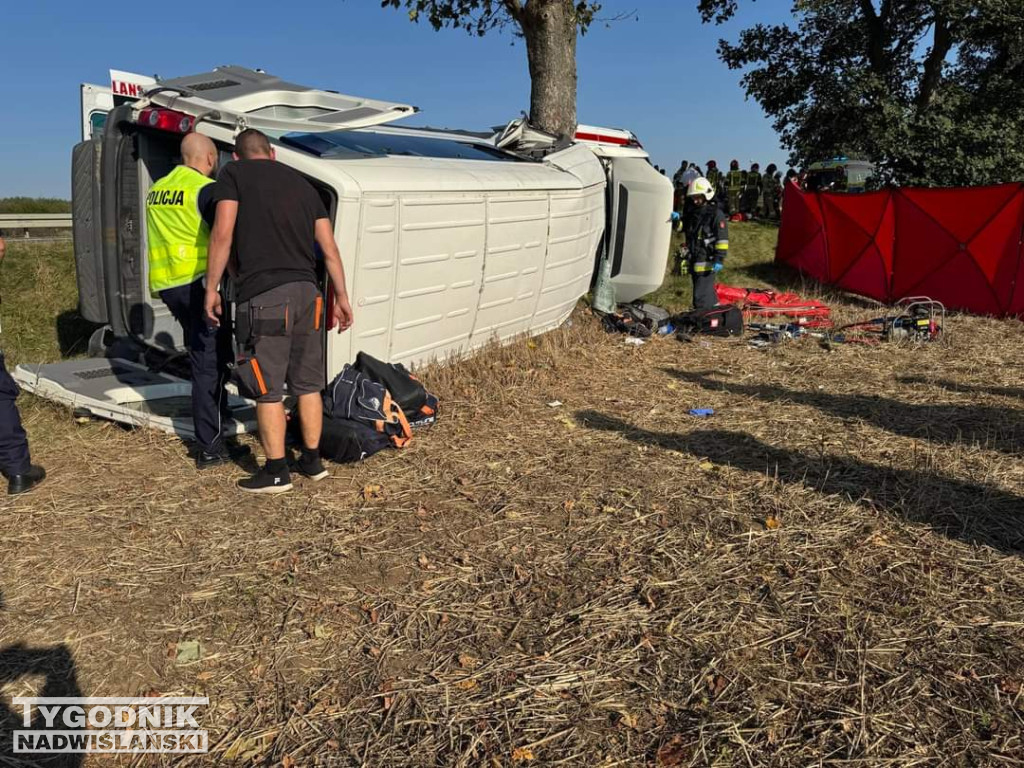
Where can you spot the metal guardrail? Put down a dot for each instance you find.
(11, 221)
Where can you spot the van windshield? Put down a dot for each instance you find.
(363, 143)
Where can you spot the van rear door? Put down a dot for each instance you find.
(244, 98)
(639, 226)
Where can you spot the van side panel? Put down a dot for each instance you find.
(577, 226)
(517, 239)
(374, 270)
(440, 261)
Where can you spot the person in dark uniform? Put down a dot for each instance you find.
(15, 462)
(707, 242)
(770, 193)
(734, 181)
(750, 199)
(180, 210)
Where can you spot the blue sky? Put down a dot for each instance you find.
(656, 73)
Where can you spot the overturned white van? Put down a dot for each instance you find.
(450, 239)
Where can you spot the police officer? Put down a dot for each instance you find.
(180, 209)
(734, 186)
(750, 201)
(707, 242)
(15, 462)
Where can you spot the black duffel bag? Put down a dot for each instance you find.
(723, 320)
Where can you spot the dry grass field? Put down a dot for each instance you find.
(828, 571)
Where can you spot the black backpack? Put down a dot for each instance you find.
(418, 405)
(354, 395)
(723, 320)
(344, 441)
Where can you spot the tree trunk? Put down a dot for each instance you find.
(549, 27)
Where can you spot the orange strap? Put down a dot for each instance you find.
(316, 312)
(259, 376)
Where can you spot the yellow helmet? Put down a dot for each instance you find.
(701, 186)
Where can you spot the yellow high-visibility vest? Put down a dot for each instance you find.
(176, 235)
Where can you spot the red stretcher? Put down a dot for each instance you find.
(763, 303)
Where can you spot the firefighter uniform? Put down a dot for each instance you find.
(750, 200)
(734, 186)
(178, 237)
(707, 240)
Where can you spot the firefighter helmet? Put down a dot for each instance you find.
(701, 187)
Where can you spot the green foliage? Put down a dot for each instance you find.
(932, 91)
(480, 16)
(34, 205)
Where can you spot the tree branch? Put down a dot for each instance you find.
(942, 43)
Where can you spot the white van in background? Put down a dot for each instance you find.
(451, 239)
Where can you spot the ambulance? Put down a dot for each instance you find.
(451, 239)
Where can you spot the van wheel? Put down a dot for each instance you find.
(100, 341)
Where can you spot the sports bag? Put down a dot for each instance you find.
(342, 440)
(419, 406)
(723, 320)
(405, 389)
(354, 395)
(345, 441)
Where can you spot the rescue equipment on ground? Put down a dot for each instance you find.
(921, 319)
(637, 319)
(764, 303)
(723, 320)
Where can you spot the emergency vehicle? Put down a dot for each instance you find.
(450, 239)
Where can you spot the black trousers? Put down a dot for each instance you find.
(704, 296)
(210, 353)
(14, 455)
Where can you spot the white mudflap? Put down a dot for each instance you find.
(127, 392)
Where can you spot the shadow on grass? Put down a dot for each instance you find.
(19, 664)
(999, 429)
(970, 512)
(952, 386)
(73, 332)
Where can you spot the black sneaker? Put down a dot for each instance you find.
(265, 481)
(26, 481)
(312, 468)
(206, 460)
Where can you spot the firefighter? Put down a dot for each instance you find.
(22, 475)
(770, 192)
(707, 242)
(717, 179)
(750, 200)
(734, 186)
(180, 209)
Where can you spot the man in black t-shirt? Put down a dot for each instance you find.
(272, 217)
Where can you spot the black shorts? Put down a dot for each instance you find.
(281, 329)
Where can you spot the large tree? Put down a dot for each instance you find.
(549, 28)
(930, 90)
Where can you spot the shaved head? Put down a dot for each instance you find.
(199, 152)
(251, 144)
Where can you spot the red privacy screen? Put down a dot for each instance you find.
(962, 247)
